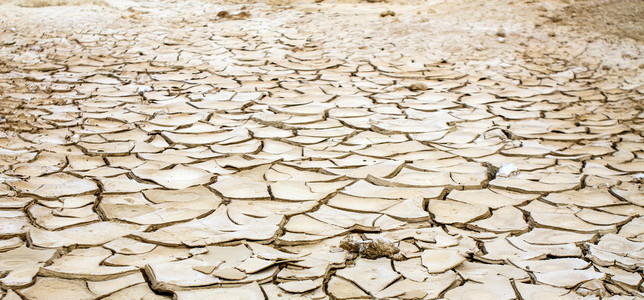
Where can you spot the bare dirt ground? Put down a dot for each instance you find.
(321, 150)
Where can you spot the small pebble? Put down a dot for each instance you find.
(387, 13)
(500, 32)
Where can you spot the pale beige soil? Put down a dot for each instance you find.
(331, 150)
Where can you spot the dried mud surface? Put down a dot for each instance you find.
(331, 150)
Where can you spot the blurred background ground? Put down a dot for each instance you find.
(595, 34)
(624, 18)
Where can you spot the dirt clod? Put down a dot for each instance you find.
(232, 16)
(370, 249)
(387, 13)
(418, 86)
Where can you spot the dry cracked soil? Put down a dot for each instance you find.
(321, 149)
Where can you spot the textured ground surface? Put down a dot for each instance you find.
(463, 150)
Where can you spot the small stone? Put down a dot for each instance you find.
(232, 16)
(418, 86)
(387, 13)
(500, 32)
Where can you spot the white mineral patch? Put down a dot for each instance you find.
(507, 170)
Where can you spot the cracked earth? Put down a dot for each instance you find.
(202, 150)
